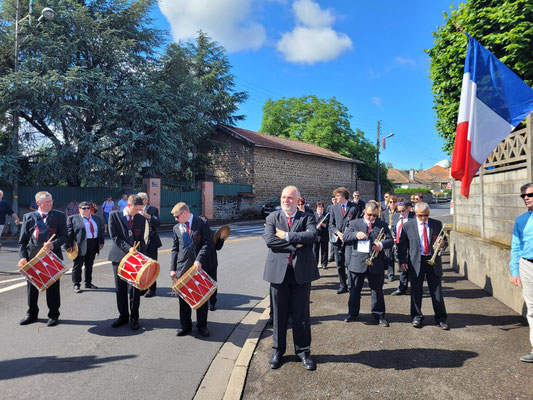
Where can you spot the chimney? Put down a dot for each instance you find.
(411, 174)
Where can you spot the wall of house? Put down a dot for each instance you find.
(233, 163)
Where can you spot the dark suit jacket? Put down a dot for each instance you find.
(338, 222)
(322, 232)
(122, 237)
(360, 208)
(77, 232)
(357, 259)
(302, 231)
(154, 242)
(409, 251)
(182, 258)
(56, 223)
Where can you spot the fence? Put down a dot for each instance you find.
(169, 198)
(63, 195)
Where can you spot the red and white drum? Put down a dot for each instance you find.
(138, 270)
(43, 269)
(195, 287)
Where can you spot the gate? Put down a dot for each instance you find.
(169, 198)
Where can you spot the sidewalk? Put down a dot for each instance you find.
(477, 359)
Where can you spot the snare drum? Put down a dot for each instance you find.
(195, 287)
(138, 270)
(44, 269)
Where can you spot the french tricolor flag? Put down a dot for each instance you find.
(494, 100)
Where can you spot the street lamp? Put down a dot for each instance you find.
(378, 167)
(48, 15)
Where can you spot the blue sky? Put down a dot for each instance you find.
(367, 54)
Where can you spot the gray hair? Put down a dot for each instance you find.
(522, 189)
(355, 193)
(421, 206)
(293, 188)
(40, 196)
(371, 206)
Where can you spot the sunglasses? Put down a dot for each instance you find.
(422, 215)
(524, 195)
(85, 208)
(392, 201)
(371, 215)
(402, 211)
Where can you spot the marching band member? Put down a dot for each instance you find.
(390, 217)
(403, 215)
(321, 247)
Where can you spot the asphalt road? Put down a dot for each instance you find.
(83, 357)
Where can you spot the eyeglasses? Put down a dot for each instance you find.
(402, 211)
(85, 208)
(371, 215)
(422, 215)
(392, 201)
(301, 204)
(524, 195)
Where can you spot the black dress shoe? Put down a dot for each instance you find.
(398, 292)
(351, 318)
(119, 322)
(444, 326)
(204, 332)
(342, 290)
(52, 322)
(149, 293)
(383, 322)
(275, 361)
(90, 286)
(417, 323)
(183, 332)
(134, 325)
(27, 320)
(308, 363)
(77, 289)
(212, 307)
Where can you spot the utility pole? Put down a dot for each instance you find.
(378, 169)
(15, 139)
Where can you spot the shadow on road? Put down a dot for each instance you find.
(11, 369)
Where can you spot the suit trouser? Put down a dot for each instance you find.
(322, 248)
(88, 260)
(153, 255)
(123, 291)
(435, 290)
(526, 278)
(341, 265)
(213, 274)
(185, 315)
(404, 280)
(53, 300)
(389, 265)
(375, 281)
(291, 297)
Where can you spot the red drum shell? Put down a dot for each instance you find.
(195, 287)
(138, 270)
(44, 269)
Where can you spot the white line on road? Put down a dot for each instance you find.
(16, 285)
(12, 280)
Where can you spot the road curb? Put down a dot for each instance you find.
(226, 375)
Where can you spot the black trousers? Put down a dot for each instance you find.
(185, 315)
(213, 274)
(322, 248)
(338, 250)
(377, 304)
(153, 255)
(53, 300)
(291, 297)
(88, 260)
(404, 280)
(389, 264)
(435, 291)
(124, 290)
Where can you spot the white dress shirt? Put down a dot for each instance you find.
(421, 236)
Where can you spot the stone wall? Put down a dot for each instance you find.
(316, 177)
(234, 161)
(366, 189)
(233, 207)
(487, 265)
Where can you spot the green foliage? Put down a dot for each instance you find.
(325, 123)
(411, 191)
(504, 27)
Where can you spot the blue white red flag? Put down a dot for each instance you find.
(494, 100)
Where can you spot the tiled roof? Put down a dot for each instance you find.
(279, 143)
(439, 173)
(423, 175)
(398, 176)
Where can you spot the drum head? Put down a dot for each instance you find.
(148, 275)
(72, 252)
(224, 231)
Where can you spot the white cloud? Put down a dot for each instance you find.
(313, 39)
(229, 22)
(405, 61)
(377, 101)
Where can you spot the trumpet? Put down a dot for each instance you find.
(374, 253)
(437, 246)
(322, 220)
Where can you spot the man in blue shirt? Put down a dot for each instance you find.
(522, 258)
(5, 209)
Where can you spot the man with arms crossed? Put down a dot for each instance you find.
(522, 258)
(290, 268)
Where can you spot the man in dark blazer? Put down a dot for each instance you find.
(290, 268)
(415, 250)
(385, 203)
(331, 253)
(87, 231)
(151, 214)
(321, 247)
(37, 228)
(399, 219)
(340, 215)
(363, 234)
(191, 245)
(360, 204)
(390, 216)
(125, 228)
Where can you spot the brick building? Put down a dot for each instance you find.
(269, 163)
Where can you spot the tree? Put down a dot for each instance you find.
(325, 123)
(504, 27)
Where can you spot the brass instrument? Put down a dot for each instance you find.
(374, 253)
(437, 246)
(390, 218)
(322, 220)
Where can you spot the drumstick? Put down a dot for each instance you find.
(49, 240)
(135, 245)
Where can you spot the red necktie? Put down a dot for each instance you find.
(343, 211)
(92, 227)
(399, 231)
(131, 222)
(426, 244)
(188, 228)
(290, 255)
